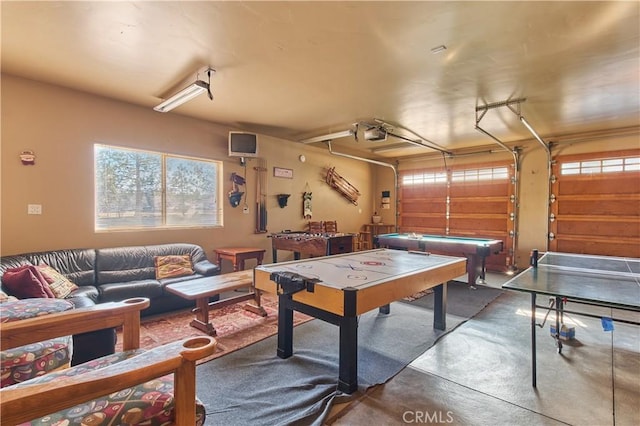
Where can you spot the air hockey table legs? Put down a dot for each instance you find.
(348, 323)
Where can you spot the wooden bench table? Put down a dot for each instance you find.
(201, 289)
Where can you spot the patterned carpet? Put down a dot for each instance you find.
(235, 326)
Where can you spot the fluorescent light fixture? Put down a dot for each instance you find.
(329, 137)
(185, 95)
(438, 49)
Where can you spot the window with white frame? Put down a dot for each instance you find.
(422, 178)
(597, 166)
(484, 174)
(137, 189)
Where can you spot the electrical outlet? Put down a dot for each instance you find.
(34, 208)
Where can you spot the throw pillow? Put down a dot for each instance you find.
(45, 284)
(173, 266)
(59, 285)
(26, 282)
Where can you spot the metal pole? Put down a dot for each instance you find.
(379, 163)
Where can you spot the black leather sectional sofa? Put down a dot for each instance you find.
(115, 274)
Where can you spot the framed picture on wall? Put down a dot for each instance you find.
(283, 173)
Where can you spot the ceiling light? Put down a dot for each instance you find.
(439, 49)
(329, 137)
(185, 95)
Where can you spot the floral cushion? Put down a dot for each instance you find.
(150, 403)
(27, 362)
(36, 359)
(28, 308)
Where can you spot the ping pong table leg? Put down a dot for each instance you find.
(285, 327)
(559, 320)
(440, 307)
(533, 340)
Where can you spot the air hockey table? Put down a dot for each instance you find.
(339, 288)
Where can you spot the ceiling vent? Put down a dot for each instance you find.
(375, 134)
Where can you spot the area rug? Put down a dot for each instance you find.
(254, 386)
(464, 301)
(235, 326)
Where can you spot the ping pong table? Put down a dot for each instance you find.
(606, 281)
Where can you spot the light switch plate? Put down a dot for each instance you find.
(34, 208)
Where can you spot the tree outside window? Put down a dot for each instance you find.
(141, 189)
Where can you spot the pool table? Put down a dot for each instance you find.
(476, 250)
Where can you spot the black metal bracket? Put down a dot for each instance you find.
(290, 282)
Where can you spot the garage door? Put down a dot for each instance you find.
(595, 204)
(466, 201)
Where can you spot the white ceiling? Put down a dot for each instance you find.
(295, 70)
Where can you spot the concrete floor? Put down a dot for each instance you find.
(480, 374)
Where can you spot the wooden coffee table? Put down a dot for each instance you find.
(201, 289)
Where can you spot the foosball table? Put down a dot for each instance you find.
(312, 245)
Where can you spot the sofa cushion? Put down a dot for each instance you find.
(124, 264)
(150, 403)
(78, 265)
(135, 263)
(204, 267)
(59, 285)
(173, 266)
(116, 292)
(85, 291)
(25, 282)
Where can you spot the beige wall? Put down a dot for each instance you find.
(60, 126)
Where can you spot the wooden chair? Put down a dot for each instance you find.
(316, 228)
(330, 226)
(24, 401)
